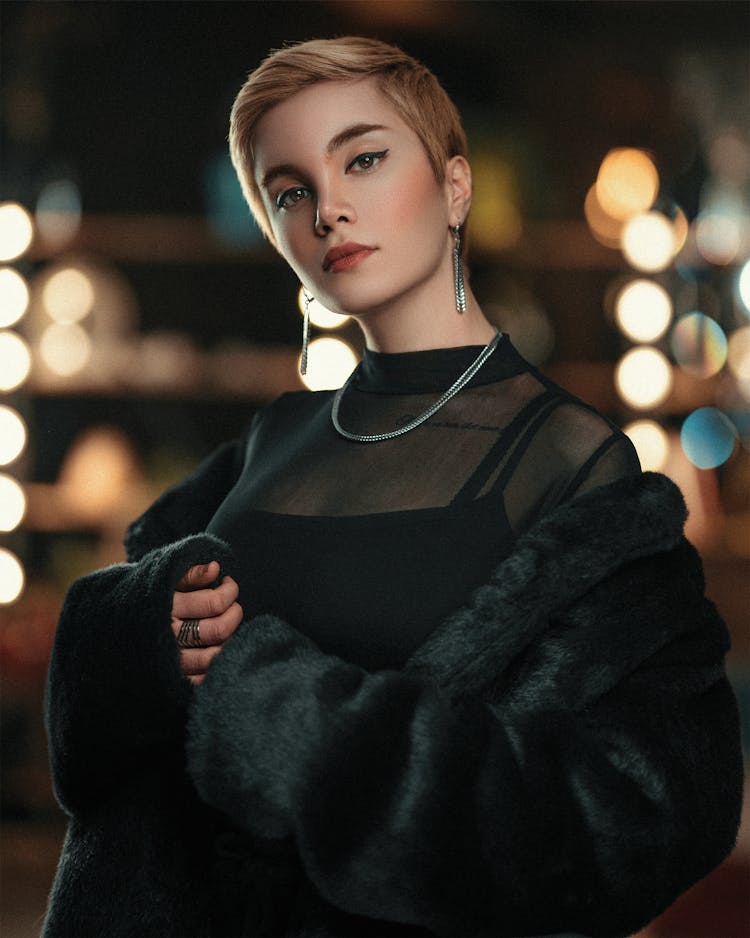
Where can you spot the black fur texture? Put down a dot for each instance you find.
(562, 754)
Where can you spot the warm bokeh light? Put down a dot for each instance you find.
(738, 353)
(698, 345)
(68, 296)
(14, 297)
(99, 469)
(643, 377)
(12, 577)
(651, 443)
(12, 503)
(681, 230)
(15, 361)
(643, 310)
(708, 437)
(627, 183)
(58, 212)
(329, 364)
(16, 230)
(718, 236)
(12, 434)
(604, 228)
(65, 349)
(320, 315)
(743, 284)
(648, 242)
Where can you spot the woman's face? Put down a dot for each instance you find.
(353, 202)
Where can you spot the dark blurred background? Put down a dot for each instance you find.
(143, 319)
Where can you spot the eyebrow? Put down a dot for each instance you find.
(335, 143)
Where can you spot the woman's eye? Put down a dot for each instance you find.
(366, 161)
(290, 197)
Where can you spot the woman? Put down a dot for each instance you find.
(425, 656)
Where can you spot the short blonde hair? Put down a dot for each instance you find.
(412, 89)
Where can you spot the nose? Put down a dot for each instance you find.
(332, 208)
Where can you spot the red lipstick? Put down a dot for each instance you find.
(346, 256)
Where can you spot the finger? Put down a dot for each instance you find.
(195, 661)
(205, 603)
(216, 630)
(199, 576)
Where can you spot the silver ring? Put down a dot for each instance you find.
(189, 635)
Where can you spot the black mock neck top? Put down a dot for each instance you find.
(367, 547)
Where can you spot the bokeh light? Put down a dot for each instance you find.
(604, 228)
(65, 349)
(68, 295)
(718, 236)
(16, 230)
(708, 437)
(14, 296)
(12, 503)
(12, 577)
(320, 315)
(643, 377)
(627, 183)
(648, 242)
(15, 361)
(329, 364)
(12, 434)
(100, 467)
(651, 443)
(58, 212)
(643, 310)
(738, 353)
(743, 284)
(698, 345)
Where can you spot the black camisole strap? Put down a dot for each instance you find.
(517, 436)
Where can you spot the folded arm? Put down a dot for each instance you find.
(485, 818)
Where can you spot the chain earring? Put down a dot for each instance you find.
(458, 271)
(307, 298)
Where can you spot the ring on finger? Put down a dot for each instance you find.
(189, 635)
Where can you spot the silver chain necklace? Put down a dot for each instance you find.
(451, 392)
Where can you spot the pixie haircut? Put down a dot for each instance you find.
(410, 87)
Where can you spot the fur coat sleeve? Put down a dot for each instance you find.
(562, 754)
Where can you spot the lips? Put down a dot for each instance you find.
(344, 256)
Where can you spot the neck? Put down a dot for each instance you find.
(396, 330)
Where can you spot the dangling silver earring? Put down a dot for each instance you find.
(458, 271)
(308, 298)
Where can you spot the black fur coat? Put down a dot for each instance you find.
(562, 754)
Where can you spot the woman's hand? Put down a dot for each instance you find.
(217, 613)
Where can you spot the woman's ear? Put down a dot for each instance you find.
(458, 187)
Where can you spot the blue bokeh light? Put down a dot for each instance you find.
(708, 437)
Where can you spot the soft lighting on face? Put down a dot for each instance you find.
(743, 284)
(12, 435)
(14, 296)
(699, 345)
(648, 242)
(15, 361)
(68, 296)
(320, 315)
(58, 212)
(738, 353)
(329, 364)
(12, 503)
(651, 443)
(627, 183)
(718, 237)
(708, 437)
(12, 577)
(643, 310)
(65, 349)
(644, 377)
(16, 230)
